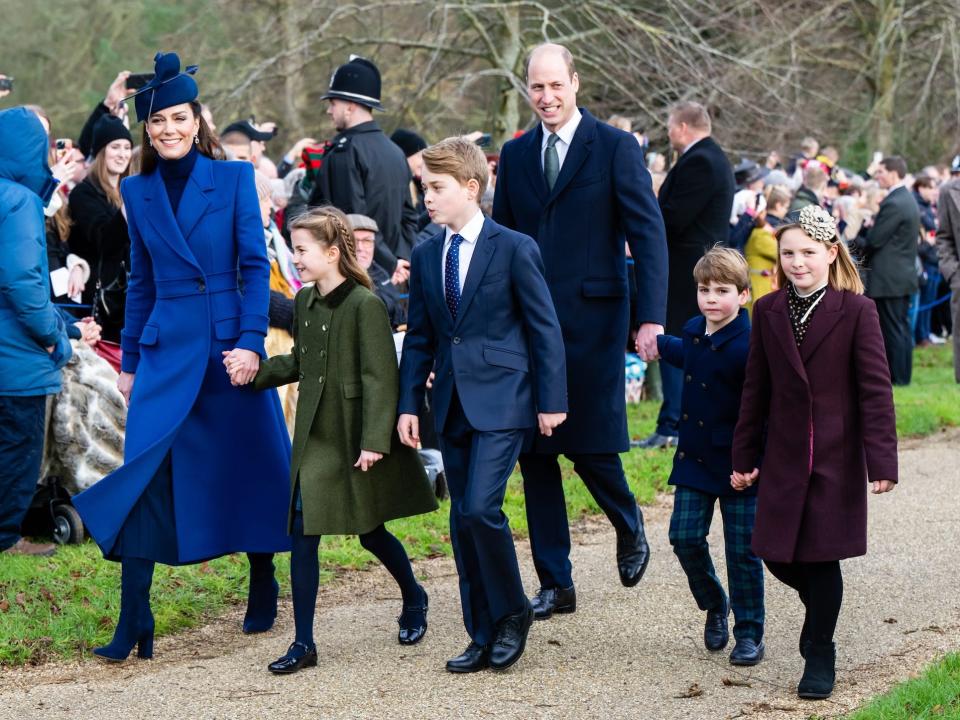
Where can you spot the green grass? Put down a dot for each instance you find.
(934, 695)
(61, 607)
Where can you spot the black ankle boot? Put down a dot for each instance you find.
(819, 673)
(261, 595)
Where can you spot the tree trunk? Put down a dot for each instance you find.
(508, 109)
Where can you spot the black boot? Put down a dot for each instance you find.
(135, 626)
(819, 673)
(805, 637)
(261, 595)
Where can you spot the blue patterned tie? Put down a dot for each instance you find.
(451, 276)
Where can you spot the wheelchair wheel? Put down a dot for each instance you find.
(67, 525)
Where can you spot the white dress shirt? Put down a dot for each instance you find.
(470, 232)
(564, 138)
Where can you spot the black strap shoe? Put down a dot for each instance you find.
(413, 622)
(716, 634)
(746, 651)
(298, 655)
(473, 659)
(548, 601)
(633, 554)
(511, 638)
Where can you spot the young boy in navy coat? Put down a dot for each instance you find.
(713, 356)
(481, 318)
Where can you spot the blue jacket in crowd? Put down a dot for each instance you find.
(29, 323)
(714, 369)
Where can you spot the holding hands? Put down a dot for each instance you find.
(367, 459)
(242, 365)
(741, 481)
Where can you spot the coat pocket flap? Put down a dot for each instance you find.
(149, 334)
(506, 358)
(604, 287)
(352, 390)
(227, 329)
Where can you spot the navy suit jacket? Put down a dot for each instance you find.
(503, 354)
(714, 368)
(602, 198)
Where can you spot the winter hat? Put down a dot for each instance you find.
(408, 141)
(107, 129)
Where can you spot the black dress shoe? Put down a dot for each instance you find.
(473, 659)
(716, 635)
(298, 655)
(548, 601)
(413, 622)
(633, 554)
(746, 651)
(511, 638)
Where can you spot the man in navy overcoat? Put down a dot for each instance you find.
(580, 189)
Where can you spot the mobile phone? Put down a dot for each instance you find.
(484, 140)
(6, 83)
(135, 81)
(63, 146)
(877, 157)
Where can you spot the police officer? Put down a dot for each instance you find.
(363, 172)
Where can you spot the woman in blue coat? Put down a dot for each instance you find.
(205, 463)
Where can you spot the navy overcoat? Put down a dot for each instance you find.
(713, 373)
(602, 197)
(826, 411)
(199, 285)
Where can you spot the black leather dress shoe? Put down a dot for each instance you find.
(716, 634)
(633, 554)
(548, 601)
(473, 659)
(298, 656)
(746, 652)
(511, 638)
(413, 622)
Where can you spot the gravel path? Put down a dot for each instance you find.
(625, 653)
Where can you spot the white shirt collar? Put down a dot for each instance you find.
(469, 232)
(565, 134)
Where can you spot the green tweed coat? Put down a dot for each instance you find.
(346, 362)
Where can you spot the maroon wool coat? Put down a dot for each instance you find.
(830, 427)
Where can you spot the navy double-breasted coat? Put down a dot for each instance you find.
(199, 285)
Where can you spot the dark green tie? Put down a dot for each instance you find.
(551, 161)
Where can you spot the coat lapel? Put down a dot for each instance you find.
(161, 217)
(195, 200)
(433, 274)
(779, 317)
(478, 266)
(532, 162)
(824, 319)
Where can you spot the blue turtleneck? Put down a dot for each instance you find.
(175, 174)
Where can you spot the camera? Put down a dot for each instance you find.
(135, 81)
(6, 83)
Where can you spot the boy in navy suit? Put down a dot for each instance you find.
(713, 356)
(481, 318)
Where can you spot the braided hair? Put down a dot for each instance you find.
(331, 228)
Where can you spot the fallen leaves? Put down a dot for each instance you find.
(691, 692)
(735, 682)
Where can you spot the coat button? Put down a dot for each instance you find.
(456, 341)
(323, 353)
(699, 460)
(681, 455)
(321, 379)
(703, 385)
(689, 378)
(301, 376)
(686, 417)
(700, 423)
(323, 327)
(201, 286)
(696, 341)
(306, 324)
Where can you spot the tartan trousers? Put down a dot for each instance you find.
(689, 527)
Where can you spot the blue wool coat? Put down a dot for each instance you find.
(713, 374)
(602, 198)
(199, 285)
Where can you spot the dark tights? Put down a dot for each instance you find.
(820, 586)
(305, 572)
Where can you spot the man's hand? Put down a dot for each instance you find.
(125, 385)
(367, 459)
(408, 427)
(117, 92)
(89, 331)
(647, 341)
(548, 421)
(883, 486)
(402, 273)
(741, 481)
(242, 365)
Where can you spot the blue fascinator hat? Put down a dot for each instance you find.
(167, 88)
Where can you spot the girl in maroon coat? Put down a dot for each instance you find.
(818, 389)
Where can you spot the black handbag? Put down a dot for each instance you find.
(109, 299)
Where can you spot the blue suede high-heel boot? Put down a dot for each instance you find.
(135, 626)
(262, 594)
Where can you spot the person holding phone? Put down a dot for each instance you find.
(206, 464)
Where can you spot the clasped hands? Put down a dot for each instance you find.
(242, 365)
(741, 481)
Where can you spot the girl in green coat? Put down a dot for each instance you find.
(349, 472)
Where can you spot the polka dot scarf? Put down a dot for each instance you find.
(802, 309)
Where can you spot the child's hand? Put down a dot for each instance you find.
(548, 421)
(741, 481)
(367, 459)
(408, 427)
(882, 486)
